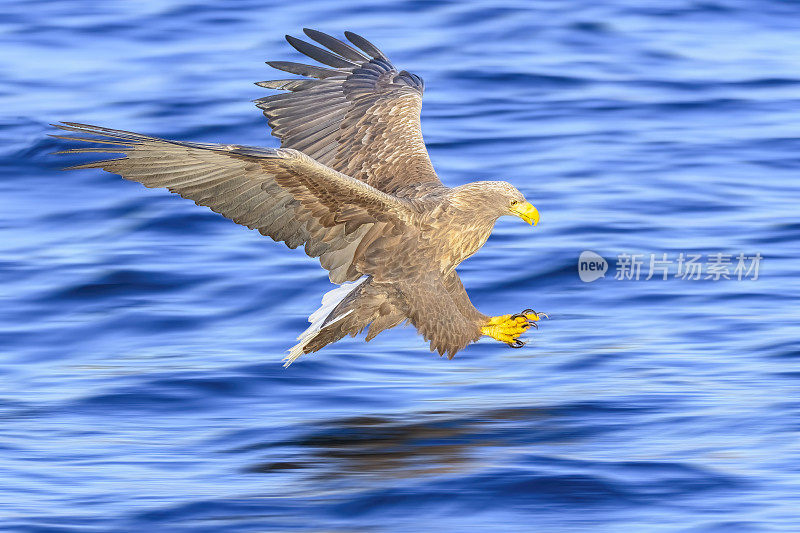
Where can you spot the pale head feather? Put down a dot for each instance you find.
(485, 199)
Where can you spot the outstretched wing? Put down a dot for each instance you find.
(280, 192)
(360, 117)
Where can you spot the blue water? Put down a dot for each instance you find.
(141, 336)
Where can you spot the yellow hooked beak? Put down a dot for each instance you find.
(526, 212)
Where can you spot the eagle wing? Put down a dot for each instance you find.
(360, 117)
(282, 193)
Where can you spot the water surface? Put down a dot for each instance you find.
(141, 336)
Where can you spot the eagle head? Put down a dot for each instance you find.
(494, 199)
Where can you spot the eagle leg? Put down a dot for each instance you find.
(508, 328)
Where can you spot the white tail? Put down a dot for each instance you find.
(319, 317)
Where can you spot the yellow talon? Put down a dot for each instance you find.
(508, 328)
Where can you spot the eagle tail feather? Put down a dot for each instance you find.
(327, 316)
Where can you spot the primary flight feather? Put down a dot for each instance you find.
(353, 184)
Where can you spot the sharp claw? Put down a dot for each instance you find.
(511, 326)
(526, 312)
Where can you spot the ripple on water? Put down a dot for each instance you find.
(140, 336)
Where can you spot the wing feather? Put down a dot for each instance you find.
(336, 46)
(282, 193)
(319, 54)
(364, 44)
(361, 117)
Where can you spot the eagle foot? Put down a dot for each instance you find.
(508, 328)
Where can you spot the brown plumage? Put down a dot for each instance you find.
(353, 184)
